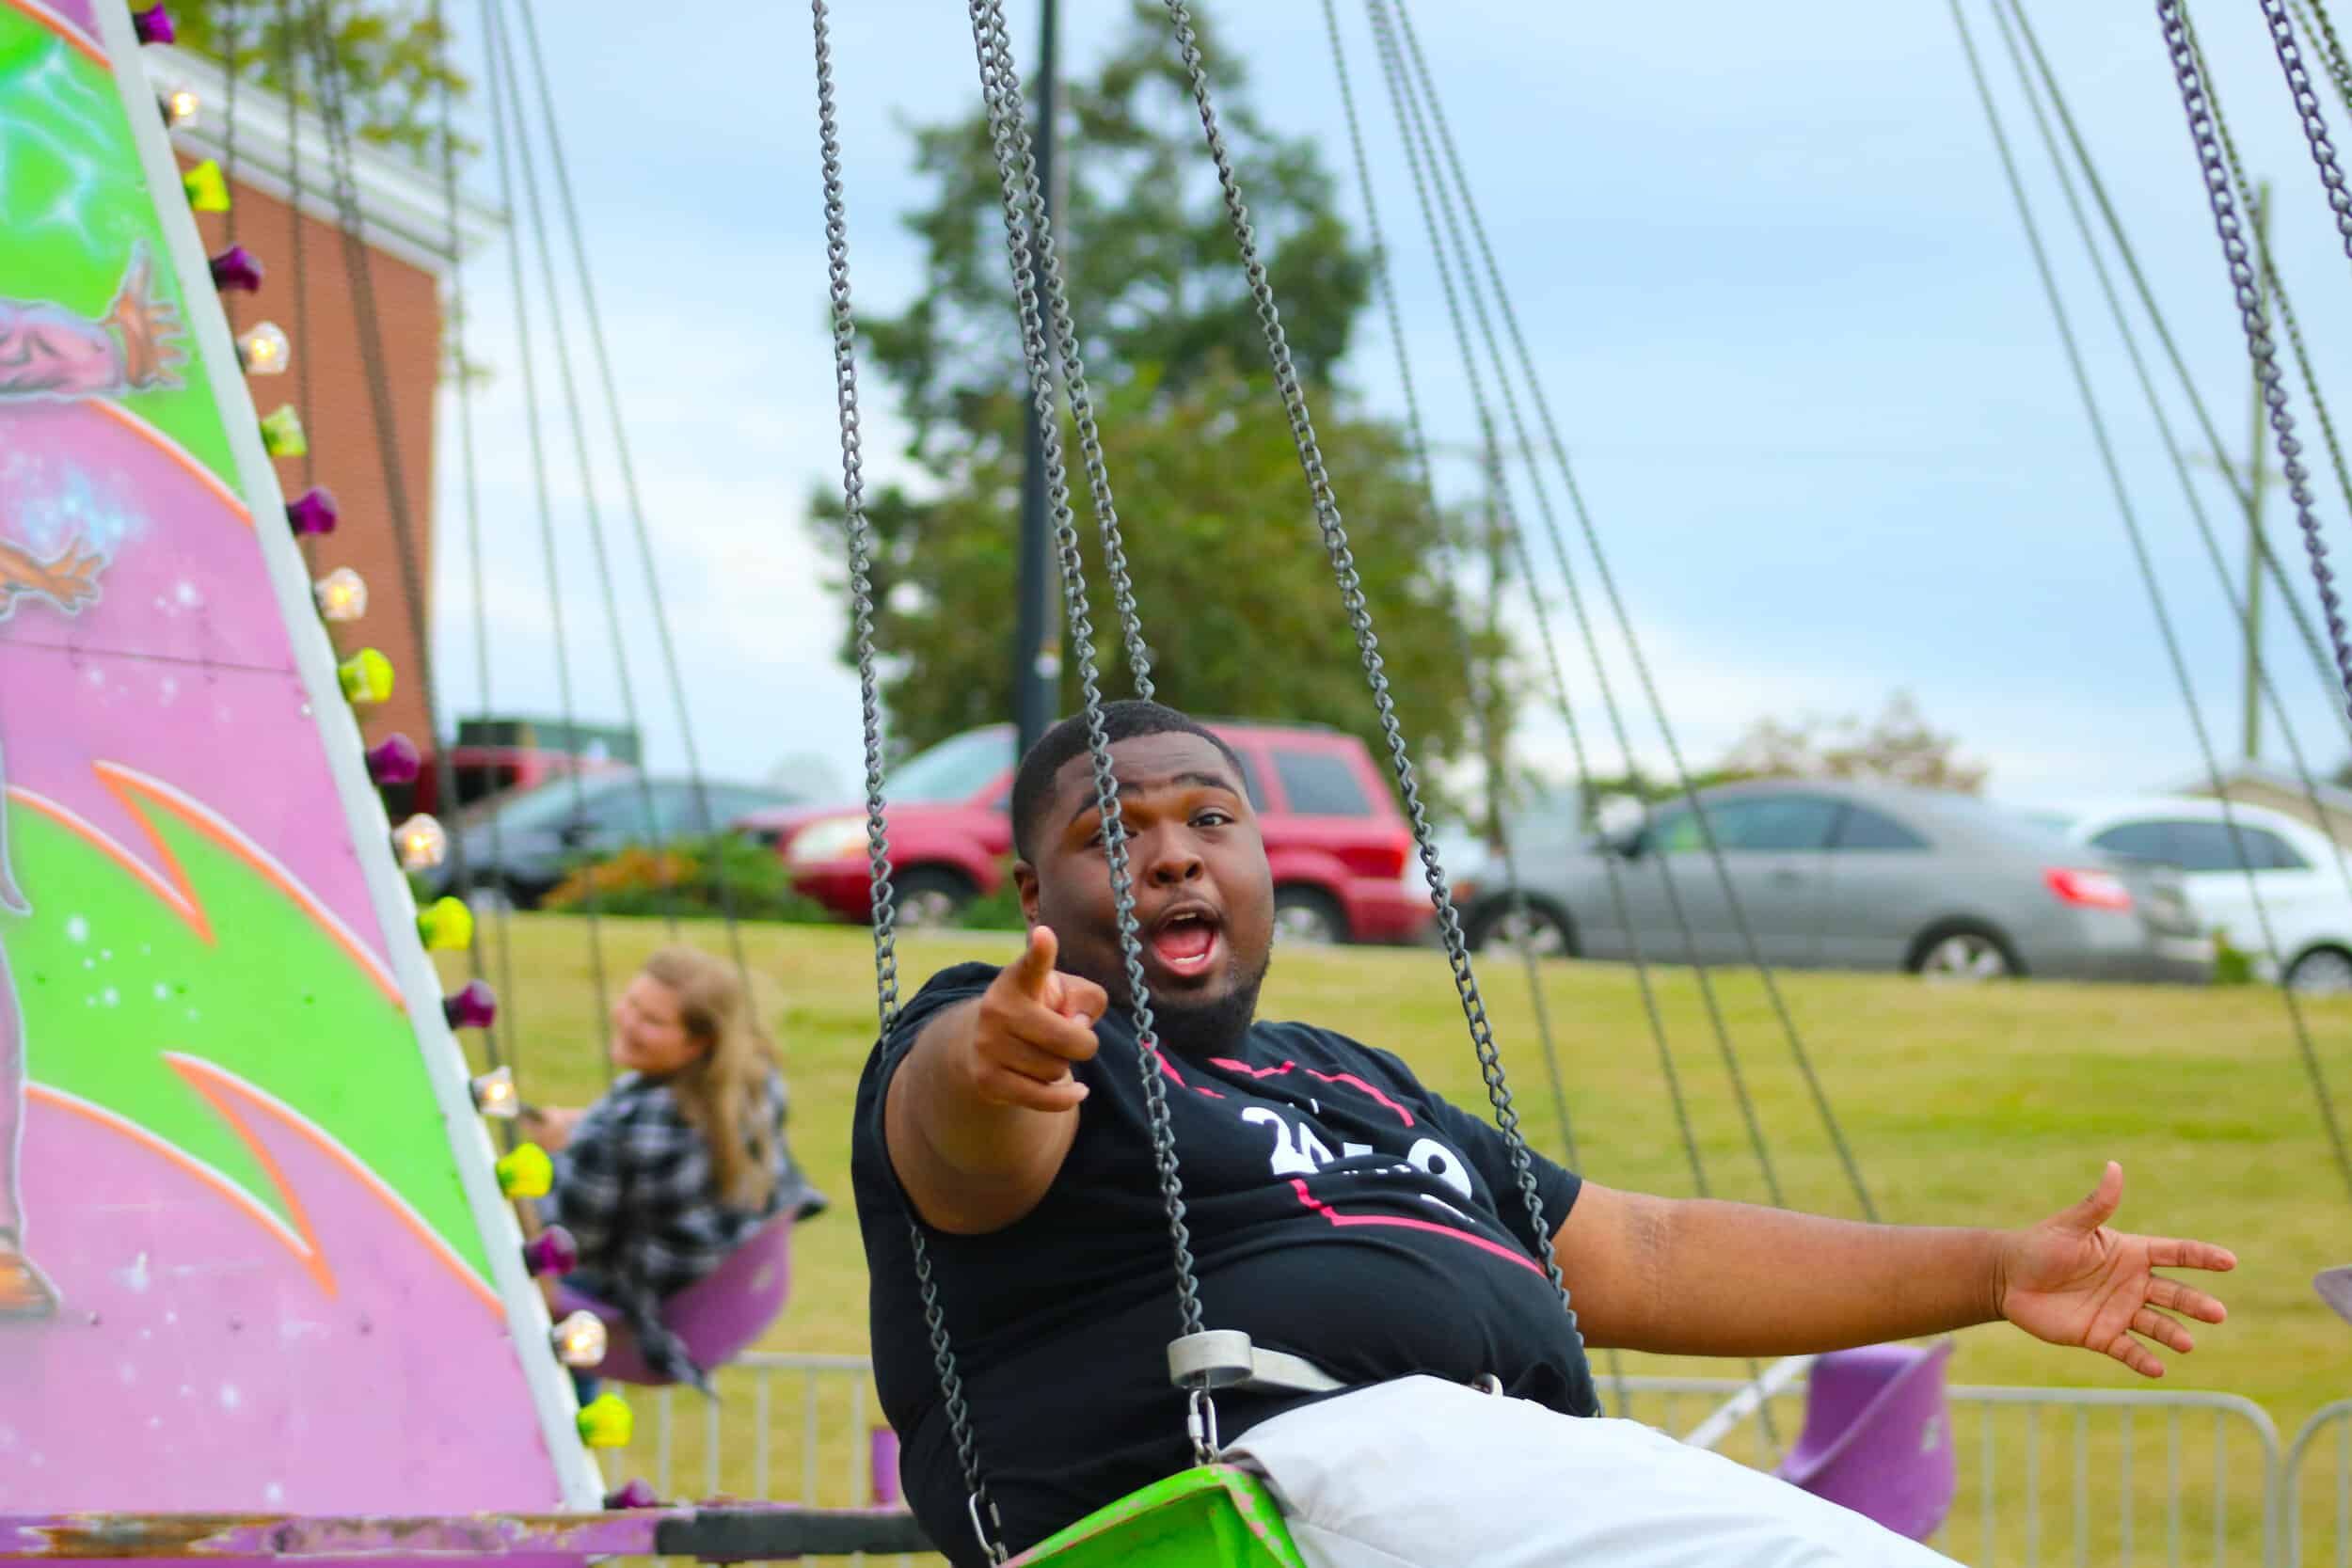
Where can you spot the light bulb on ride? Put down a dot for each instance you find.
(423, 842)
(580, 1340)
(264, 349)
(179, 106)
(494, 1094)
(341, 593)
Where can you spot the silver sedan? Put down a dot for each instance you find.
(1844, 875)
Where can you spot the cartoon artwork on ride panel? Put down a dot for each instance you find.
(49, 352)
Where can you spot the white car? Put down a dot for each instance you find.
(2297, 871)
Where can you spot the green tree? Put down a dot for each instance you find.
(1897, 747)
(393, 57)
(1235, 589)
(1239, 610)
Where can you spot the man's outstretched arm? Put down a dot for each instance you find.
(1700, 1277)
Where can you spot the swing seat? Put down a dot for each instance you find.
(1210, 1516)
(718, 1317)
(1878, 1436)
(2335, 1288)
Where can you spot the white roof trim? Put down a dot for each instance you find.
(403, 208)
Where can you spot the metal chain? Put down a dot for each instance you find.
(1815, 1090)
(1343, 570)
(997, 72)
(2307, 109)
(493, 21)
(2316, 21)
(1490, 745)
(870, 703)
(2271, 279)
(2252, 317)
(722, 887)
(1427, 173)
(1008, 104)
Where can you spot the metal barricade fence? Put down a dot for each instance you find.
(2294, 1502)
(2048, 1476)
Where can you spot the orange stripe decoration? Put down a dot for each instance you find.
(237, 1099)
(184, 459)
(42, 16)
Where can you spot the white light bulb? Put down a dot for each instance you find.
(179, 105)
(580, 1340)
(264, 349)
(342, 595)
(423, 843)
(494, 1094)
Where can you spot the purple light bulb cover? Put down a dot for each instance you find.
(474, 1006)
(638, 1492)
(315, 511)
(395, 762)
(235, 268)
(153, 25)
(551, 1251)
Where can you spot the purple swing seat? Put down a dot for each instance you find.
(717, 1317)
(1878, 1436)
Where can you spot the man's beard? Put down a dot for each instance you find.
(1195, 1029)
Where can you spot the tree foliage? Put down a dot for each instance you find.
(393, 58)
(1239, 609)
(1235, 589)
(1897, 747)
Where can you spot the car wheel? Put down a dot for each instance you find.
(1535, 927)
(1308, 918)
(2322, 971)
(926, 899)
(1966, 953)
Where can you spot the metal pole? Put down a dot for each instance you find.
(2257, 473)
(1036, 651)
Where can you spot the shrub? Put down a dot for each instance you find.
(2231, 964)
(694, 879)
(999, 911)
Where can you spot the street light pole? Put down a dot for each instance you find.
(1035, 650)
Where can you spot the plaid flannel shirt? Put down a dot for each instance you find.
(634, 1187)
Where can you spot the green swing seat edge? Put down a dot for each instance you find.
(1209, 1516)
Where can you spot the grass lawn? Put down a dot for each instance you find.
(1989, 1105)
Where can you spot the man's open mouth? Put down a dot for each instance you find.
(1184, 941)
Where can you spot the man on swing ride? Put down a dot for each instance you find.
(1342, 1213)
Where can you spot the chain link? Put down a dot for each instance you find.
(1329, 521)
(2316, 20)
(2307, 109)
(2253, 318)
(869, 704)
(1020, 214)
(2271, 279)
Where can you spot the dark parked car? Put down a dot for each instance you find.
(518, 846)
(1850, 876)
(1339, 846)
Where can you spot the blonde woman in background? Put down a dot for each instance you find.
(684, 1156)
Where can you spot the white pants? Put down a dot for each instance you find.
(1422, 1473)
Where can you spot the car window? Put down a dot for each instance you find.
(1774, 823)
(1760, 823)
(1319, 784)
(1864, 829)
(2209, 847)
(954, 771)
(2146, 841)
(621, 813)
(1250, 779)
(2271, 852)
(549, 806)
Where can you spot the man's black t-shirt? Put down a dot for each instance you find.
(1339, 1211)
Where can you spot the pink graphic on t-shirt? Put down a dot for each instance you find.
(1348, 1078)
(1298, 1185)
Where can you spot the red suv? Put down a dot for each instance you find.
(1340, 851)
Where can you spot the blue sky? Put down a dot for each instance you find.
(1777, 289)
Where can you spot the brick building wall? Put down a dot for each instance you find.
(348, 448)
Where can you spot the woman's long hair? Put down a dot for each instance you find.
(724, 1092)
